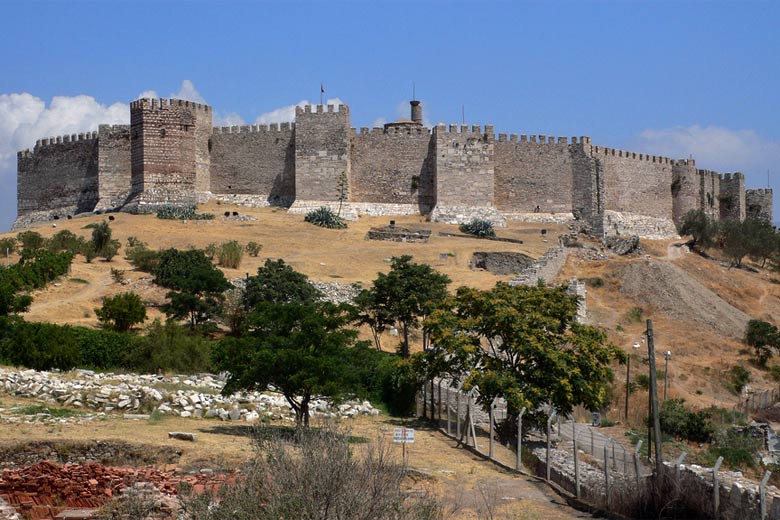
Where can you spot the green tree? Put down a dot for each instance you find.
(168, 346)
(277, 282)
(119, 313)
(102, 243)
(763, 337)
(761, 238)
(197, 286)
(370, 312)
(702, 229)
(736, 243)
(406, 295)
(12, 303)
(523, 344)
(30, 240)
(302, 350)
(41, 346)
(7, 246)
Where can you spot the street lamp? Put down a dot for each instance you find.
(667, 357)
(628, 378)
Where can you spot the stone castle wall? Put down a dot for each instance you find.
(392, 166)
(533, 171)
(170, 154)
(59, 173)
(254, 160)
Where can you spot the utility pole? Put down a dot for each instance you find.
(635, 346)
(656, 422)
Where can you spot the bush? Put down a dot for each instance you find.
(479, 228)
(103, 349)
(738, 377)
(680, 422)
(634, 315)
(253, 248)
(385, 378)
(142, 258)
(763, 337)
(35, 270)
(737, 447)
(324, 217)
(65, 240)
(313, 473)
(119, 313)
(169, 347)
(30, 240)
(229, 254)
(7, 246)
(40, 346)
(182, 213)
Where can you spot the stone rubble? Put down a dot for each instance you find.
(104, 394)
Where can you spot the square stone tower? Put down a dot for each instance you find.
(169, 153)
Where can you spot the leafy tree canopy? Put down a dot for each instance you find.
(277, 282)
(119, 313)
(522, 344)
(702, 229)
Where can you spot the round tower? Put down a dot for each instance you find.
(416, 111)
(686, 189)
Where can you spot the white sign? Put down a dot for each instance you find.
(403, 435)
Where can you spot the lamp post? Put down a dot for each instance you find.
(628, 378)
(667, 357)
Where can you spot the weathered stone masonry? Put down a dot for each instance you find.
(170, 154)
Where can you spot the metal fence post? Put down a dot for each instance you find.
(549, 427)
(636, 462)
(490, 418)
(677, 468)
(449, 421)
(762, 493)
(519, 463)
(716, 488)
(576, 461)
(606, 472)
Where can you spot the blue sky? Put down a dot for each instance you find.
(668, 78)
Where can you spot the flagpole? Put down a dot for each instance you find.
(322, 90)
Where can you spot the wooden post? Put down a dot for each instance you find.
(467, 419)
(654, 401)
(636, 462)
(716, 488)
(576, 461)
(519, 463)
(592, 448)
(433, 402)
(473, 429)
(491, 415)
(762, 493)
(449, 421)
(606, 473)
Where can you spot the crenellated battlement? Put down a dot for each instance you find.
(614, 152)
(540, 139)
(760, 191)
(254, 129)
(394, 130)
(322, 109)
(64, 139)
(165, 104)
(736, 176)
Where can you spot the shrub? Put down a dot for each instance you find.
(30, 240)
(41, 346)
(117, 275)
(102, 243)
(211, 251)
(65, 240)
(385, 378)
(738, 377)
(253, 248)
(324, 217)
(7, 246)
(763, 337)
(479, 228)
(677, 420)
(169, 347)
(634, 315)
(182, 213)
(229, 254)
(103, 349)
(737, 447)
(142, 258)
(119, 313)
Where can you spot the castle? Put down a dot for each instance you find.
(171, 154)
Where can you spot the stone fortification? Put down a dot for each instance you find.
(170, 154)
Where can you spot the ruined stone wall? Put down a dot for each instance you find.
(321, 151)
(533, 171)
(114, 169)
(686, 189)
(465, 166)
(636, 183)
(393, 166)
(732, 196)
(166, 155)
(254, 160)
(60, 173)
(758, 204)
(587, 186)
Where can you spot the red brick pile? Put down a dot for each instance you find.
(43, 490)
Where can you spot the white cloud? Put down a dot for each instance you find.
(379, 122)
(148, 94)
(287, 113)
(188, 92)
(714, 147)
(230, 119)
